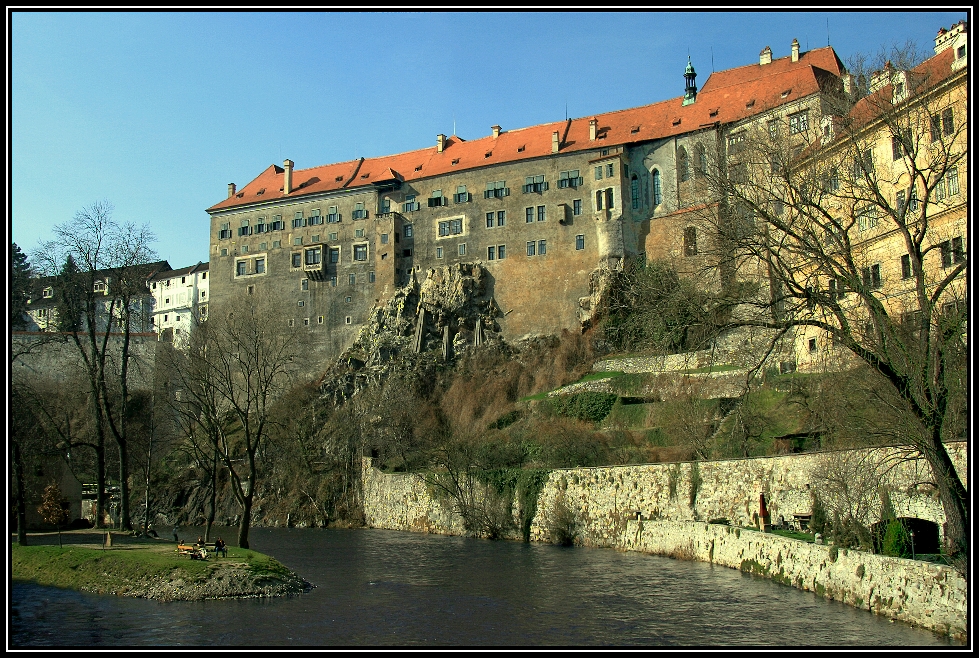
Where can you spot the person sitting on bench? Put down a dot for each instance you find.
(220, 547)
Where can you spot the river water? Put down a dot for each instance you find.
(379, 587)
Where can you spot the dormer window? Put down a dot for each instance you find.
(47, 293)
(339, 179)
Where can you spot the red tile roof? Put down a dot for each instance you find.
(724, 98)
(925, 76)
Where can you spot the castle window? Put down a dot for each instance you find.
(500, 251)
(298, 221)
(500, 217)
(297, 241)
(409, 230)
(531, 248)
(370, 277)
(541, 247)
(314, 256)
(690, 241)
(450, 227)
(462, 249)
(320, 320)
(598, 172)
(332, 215)
(576, 207)
(609, 170)
(496, 190)
(259, 266)
(265, 245)
(297, 259)
(292, 322)
(302, 303)
(906, 270)
(360, 252)
(244, 250)
(384, 238)
(535, 184)
(305, 322)
(541, 213)
(490, 220)
(636, 197)
(438, 252)
(701, 159)
(359, 211)
(461, 195)
(569, 179)
(410, 205)
(334, 254)
(244, 229)
(315, 218)
(579, 242)
(490, 253)
(359, 233)
(682, 165)
(952, 252)
(529, 214)
(437, 200)
(352, 279)
(242, 269)
(277, 223)
(773, 129)
(225, 232)
(871, 276)
(812, 345)
(657, 188)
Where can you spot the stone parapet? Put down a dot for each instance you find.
(920, 593)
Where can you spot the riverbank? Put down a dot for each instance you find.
(148, 568)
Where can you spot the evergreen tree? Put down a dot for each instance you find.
(20, 281)
(71, 297)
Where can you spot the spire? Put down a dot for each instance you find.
(690, 93)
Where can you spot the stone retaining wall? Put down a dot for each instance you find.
(662, 508)
(929, 595)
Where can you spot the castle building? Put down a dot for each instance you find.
(545, 210)
(903, 161)
(180, 301)
(46, 294)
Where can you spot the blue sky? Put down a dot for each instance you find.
(157, 112)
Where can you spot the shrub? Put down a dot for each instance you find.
(585, 406)
(897, 541)
(562, 524)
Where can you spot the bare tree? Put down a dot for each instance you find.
(240, 363)
(100, 282)
(810, 212)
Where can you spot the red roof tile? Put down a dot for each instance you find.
(723, 99)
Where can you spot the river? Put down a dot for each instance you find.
(387, 588)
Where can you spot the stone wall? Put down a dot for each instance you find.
(55, 356)
(929, 595)
(662, 508)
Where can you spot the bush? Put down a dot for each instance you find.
(585, 406)
(897, 541)
(562, 524)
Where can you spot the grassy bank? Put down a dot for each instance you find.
(148, 568)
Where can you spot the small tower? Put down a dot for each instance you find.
(690, 93)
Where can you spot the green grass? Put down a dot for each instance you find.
(792, 534)
(112, 570)
(589, 377)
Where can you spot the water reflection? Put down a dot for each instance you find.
(376, 587)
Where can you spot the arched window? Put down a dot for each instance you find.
(701, 153)
(657, 188)
(636, 201)
(682, 165)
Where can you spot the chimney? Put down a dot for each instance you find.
(592, 129)
(287, 185)
(882, 78)
(555, 142)
(440, 142)
(231, 190)
(496, 131)
(795, 50)
(765, 57)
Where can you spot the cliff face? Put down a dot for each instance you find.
(417, 328)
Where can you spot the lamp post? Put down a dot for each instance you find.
(912, 545)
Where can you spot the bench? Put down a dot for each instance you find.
(195, 552)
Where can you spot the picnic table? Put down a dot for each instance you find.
(193, 550)
(802, 521)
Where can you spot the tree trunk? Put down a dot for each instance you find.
(246, 521)
(124, 522)
(100, 495)
(214, 497)
(954, 503)
(18, 467)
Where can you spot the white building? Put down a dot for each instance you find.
(181, 298)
